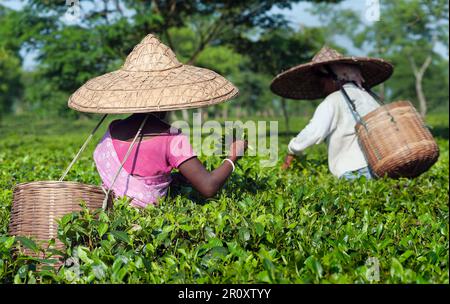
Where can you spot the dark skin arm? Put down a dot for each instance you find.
(287, 161)
(209, 183)
(205, 182)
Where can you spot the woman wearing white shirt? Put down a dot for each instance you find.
(333, 120)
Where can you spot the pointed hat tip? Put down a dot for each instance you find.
(326, 53)
(151, 55)
(149, 38)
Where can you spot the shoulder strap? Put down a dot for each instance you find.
(88, 139)
(139, 131)
(352, 108)
(374, 95)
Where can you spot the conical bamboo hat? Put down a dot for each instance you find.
(305, 81)
(152, 80)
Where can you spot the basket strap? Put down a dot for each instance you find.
(352, 108)
(374, 95)
(105, 201)
(88, 139)
(347, 98)
(378, 98)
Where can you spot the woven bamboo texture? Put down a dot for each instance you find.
(152, 79)
(396, 142)
(306, 82)
(38, 205)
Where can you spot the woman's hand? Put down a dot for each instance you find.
(208, 183)
(287, 161)
(237, 149)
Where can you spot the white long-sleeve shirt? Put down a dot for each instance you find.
(334, 122)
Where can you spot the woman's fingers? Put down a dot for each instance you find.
(238, 148)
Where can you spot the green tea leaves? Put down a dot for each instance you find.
(28, 243)
(121, 235)
(102, 228)
(314, 266)
(266, 226)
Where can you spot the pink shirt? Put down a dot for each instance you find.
(155, 156)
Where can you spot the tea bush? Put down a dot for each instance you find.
(265, 226)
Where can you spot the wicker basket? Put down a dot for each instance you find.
(396, 141)
(37, 205)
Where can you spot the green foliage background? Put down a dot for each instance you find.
(246, 41)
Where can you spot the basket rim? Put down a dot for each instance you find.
(384, 108)
(19, 185)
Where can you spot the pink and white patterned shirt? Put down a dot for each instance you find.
(146, 175)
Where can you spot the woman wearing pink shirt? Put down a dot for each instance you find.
(159, 150)
(136, 155)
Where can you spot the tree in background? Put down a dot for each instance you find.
(10, 61)
(69, 54)
(412, 29)
(10, 85)
(435, 82)
(407, 34)
(277, 50)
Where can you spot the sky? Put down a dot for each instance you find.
(298, 16)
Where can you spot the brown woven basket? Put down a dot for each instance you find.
(396, 141)
(38, 205)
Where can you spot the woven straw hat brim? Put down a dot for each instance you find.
(124, 91)
(305, 81)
